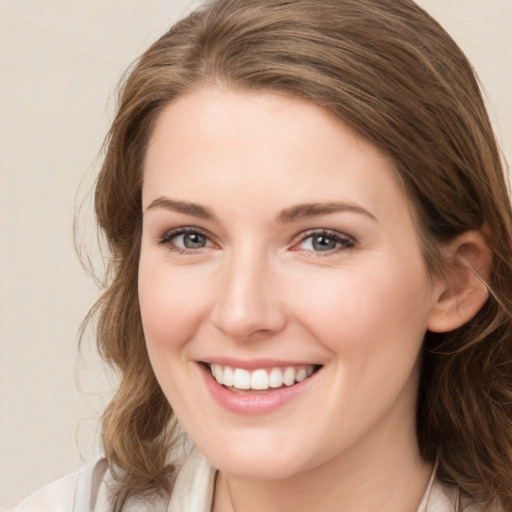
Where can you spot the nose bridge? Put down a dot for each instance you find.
(246, 303)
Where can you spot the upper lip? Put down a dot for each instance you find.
(254, 364)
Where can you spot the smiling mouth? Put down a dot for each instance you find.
(240, 380)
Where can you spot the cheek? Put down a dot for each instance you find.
(172, 304)
(366, 310)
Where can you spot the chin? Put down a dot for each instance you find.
(257, 463)
(257, 469)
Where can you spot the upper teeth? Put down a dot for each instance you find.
(261, 378)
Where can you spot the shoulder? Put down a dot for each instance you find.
(447, 498)
(57, 496)
(80, 491)
(194, 485)
(90, 490)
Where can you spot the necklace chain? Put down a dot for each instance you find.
(230, 497)
(457, 505)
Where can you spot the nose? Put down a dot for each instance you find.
(249, 304)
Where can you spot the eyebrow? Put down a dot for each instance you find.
(291, 214)
(185, 207)
(307, 210)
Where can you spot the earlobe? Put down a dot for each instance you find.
(462, 291)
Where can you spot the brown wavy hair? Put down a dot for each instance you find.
(391, 73)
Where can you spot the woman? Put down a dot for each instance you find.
(311, 235)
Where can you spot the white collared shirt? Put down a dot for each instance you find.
(89, 490)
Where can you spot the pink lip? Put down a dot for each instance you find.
(252, 404)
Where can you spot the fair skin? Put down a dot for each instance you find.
(236, 271)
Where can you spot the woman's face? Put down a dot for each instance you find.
(279, 246)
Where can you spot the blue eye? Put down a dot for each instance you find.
(325, 241)
(191, 240)
(185, 239)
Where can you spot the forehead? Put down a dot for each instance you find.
(213, 142)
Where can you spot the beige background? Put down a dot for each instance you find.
(59, 63)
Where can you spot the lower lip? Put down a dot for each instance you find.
(252, 404)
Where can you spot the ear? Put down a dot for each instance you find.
(462, 291)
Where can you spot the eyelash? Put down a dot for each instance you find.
(344, 242)
(168, 237)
